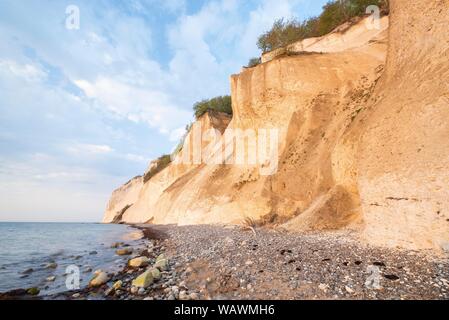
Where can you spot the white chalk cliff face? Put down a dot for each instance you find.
(122, 199)
(362, 140)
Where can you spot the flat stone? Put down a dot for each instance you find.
(138, 262)
(349, 289)
(51, 265)
(99, 279)
(27, 271)
(123, 252)
(116, 245)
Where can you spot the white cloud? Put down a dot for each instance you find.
(174, 5)
(27, 72)
(135, 158)
(62, 175)
(135, 103)
(89, 149)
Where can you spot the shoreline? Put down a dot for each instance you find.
(229, 262)
(128, 240)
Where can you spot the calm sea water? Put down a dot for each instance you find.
(34, 245)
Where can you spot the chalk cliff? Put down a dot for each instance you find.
(361, 118)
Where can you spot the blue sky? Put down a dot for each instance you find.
(82, 111)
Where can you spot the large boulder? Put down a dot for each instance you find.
(138, 262)
(156, 273)
(144, 280)
(99, 279)
(123, 252)
(33, 291)
(162, 265)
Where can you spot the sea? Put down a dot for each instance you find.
(31, 254)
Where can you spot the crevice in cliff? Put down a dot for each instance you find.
(119, 216)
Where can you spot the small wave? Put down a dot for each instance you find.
(57, 253)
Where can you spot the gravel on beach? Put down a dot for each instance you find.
(231, 262)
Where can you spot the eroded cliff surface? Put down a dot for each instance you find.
(361, 143)
(403, 156)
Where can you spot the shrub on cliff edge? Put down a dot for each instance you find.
(253, 62)
(336, 12)
(160, 164)
(220, 103)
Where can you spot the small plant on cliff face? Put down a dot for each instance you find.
(161, 164)
(181, 142)
(221, 104)
(253, 62)
(336, 12)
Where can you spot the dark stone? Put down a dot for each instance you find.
(93, 252)
(379, 264)
(391, 277)
(358, 262)
(346, 263)
(33, 291)
(16, 293)
(27, 271)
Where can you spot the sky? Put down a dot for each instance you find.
(83, 110)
